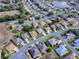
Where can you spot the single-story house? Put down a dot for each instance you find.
(27, 54)
(11, 47)
(25, 36)
(71, 56)
(35, 24)
(34, 52)
(61, 50)
(33, 34)
(42, 23)
(73, 21)
(48, 21)
(65, 24)
(18, 41)
(52, 42)
(42, 47)
(48, 30)
(39, 30)
(76, 43)
(53, 26)
(70, 35)
(18, 27)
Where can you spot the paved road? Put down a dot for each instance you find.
(21, 52)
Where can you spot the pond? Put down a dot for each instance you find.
(59, 4)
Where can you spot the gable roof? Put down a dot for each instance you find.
(52, 42)
(61, 50)
(42, 47)
(18, 41)
(11, 47)
(33, 34)
(39, 30)
(76, 44)
(34, 52)
(25, 36)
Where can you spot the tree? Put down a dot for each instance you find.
(26, 28)
(21, 8)
(21, 21)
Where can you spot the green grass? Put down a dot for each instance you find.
(49, 50)
(75, 14)
(71, 42)
(77, 57)
(30, 39)
(77, 49)
(9, 54)
(39, 35)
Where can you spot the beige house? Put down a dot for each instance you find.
(11, 47)
(33, 34)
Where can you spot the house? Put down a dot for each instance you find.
(65, 24)
(61, 50)
(18, 27)
(52, 42)
(62, 27)
(76, 43)
(58, 25)
(53, 27)
(70, 36)
(25, 37)
(48, 21)
(73, 21)
(18, 41)
(71, 56)
(42, 47)
(48, 30)
(35, 23)
(40, 31)
(33, 34)
(42, 23)
(34, 52)
(27, 54)
(11, 47)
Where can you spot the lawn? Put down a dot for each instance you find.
(71, 42)
(8, 53)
